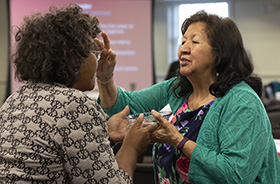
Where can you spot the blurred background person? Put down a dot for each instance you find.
(173, 70)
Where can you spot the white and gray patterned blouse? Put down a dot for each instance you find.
(54, 134)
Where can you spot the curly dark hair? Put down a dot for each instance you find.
(232, 64)
(52, 46)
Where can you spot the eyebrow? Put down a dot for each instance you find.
(193, 36)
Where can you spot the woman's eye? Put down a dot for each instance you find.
(183, 42)
(195, 41)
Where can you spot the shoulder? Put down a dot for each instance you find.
(240, 93)
(238, 109)
(240, 101)
(58, 96)
(242, 87)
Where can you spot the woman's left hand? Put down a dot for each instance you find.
(118, 126)
(166, 132)
(107, 61)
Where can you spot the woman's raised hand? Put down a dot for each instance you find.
(107, 62)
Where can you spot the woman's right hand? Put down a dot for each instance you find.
(166, 133)
(138, 137)
(135, 142)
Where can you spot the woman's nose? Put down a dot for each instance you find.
(185, 48)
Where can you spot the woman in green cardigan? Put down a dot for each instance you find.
(220, 132)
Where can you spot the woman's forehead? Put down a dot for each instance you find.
(195, 30)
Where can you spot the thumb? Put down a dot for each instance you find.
(124, 112)
(157, 116)
(139, 121)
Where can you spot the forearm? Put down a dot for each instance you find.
(127, 159)
(187, 148)
(108, 93)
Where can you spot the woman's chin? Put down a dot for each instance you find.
(185, 73)
(91, 87)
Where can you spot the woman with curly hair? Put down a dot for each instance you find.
(51, 132)
(220, 131)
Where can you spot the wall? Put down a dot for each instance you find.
(259, 24)
(160, 40)
(258, 21)
(3, 49)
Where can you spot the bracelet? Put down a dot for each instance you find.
(182, 143)
(105, 82)
(112, 144)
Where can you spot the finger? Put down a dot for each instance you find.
(112, 55)
(157, 116)
(99, 43)
(152, 128)
(106, 40)
(124, 112)
(139, 121)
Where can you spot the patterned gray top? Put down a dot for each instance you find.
(54, 134)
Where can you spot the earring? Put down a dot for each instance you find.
(217, 74)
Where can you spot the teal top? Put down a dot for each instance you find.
(155, 97)
(235, 143)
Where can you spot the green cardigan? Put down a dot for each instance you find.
(235, 143)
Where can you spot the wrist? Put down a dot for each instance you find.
(177, 138)
(182, 143)
(105, 80)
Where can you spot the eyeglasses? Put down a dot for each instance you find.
(97, 54)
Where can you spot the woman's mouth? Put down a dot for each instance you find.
(184, 61)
